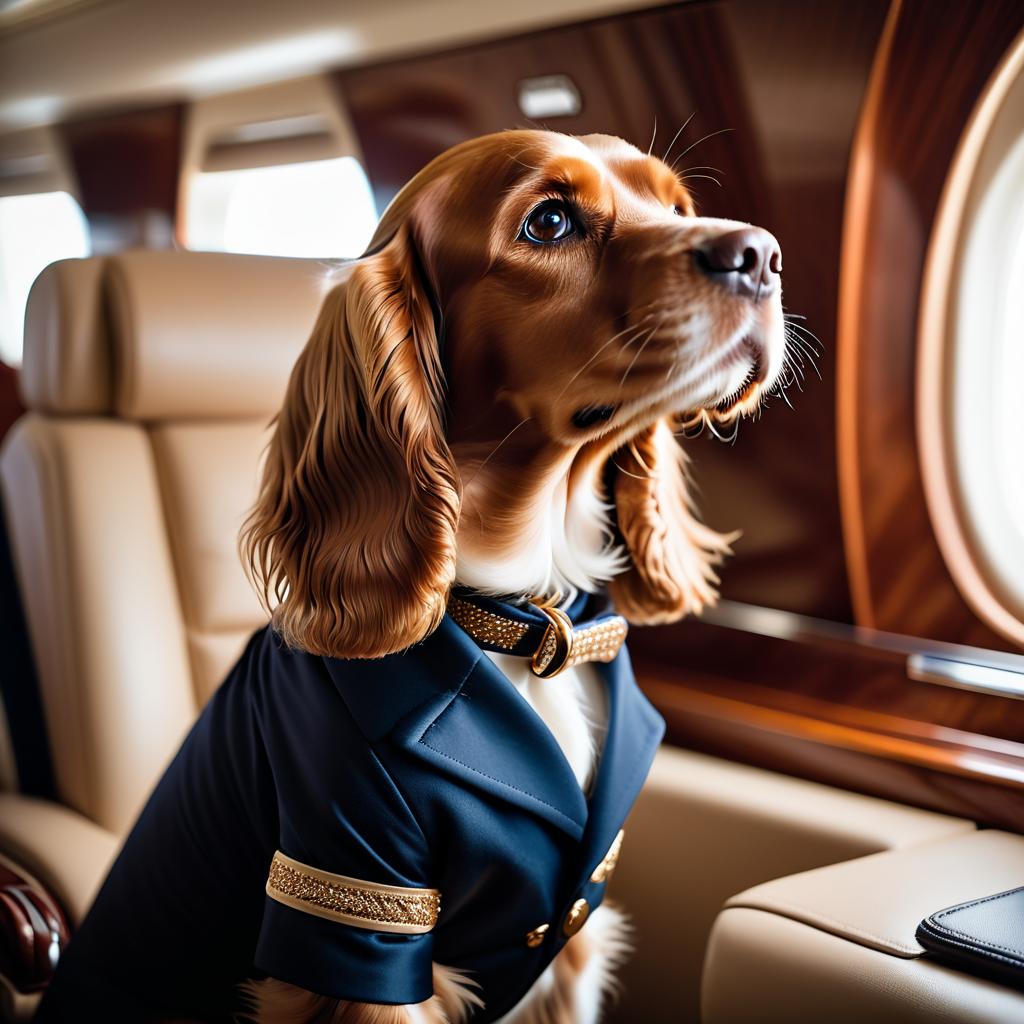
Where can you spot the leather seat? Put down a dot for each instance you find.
(150, 379)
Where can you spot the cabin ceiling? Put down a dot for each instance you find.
(59, 58)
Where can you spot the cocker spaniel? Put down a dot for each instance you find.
(490, 399)
(405, 801)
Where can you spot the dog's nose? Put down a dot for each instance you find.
(747, 261)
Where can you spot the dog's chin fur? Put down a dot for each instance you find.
(649, 546)
(570, 547)
(572, 990)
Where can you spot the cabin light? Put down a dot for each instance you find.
(29, 110)
(24, 166)
(550, 96)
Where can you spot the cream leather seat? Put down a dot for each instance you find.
(150, 379)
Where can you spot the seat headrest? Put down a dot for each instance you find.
(66, 361)
(168, 335)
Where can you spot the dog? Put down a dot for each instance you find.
(440, 733)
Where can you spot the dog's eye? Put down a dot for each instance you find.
(549, 222)
(677, 210)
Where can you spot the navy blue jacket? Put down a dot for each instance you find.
(423, 769)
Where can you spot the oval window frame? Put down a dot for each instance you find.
(993, 137)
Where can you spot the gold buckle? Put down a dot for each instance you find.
(555, 650)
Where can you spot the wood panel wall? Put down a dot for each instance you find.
(936, 59)
(127, 166)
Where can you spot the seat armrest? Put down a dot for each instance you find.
(68, 854)
(838, 943)
(878, 901)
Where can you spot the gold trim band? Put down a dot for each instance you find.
(369, 905)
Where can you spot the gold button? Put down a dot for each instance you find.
(536, 937)
(576, 917)
(604, 870)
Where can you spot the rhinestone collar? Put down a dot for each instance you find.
(539, 631)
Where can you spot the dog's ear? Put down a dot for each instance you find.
(672, 554)
(352, 538)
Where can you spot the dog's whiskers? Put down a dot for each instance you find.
(494, 450)
(702, 167)
(650, 334)
(710, 135)
(798, 349)
(637, 327)
(635, 476)
(707, 177)
(682, 128)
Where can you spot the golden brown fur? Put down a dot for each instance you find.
(390, 456)
(672, 554)
(432, 428)
(274, 1002)
(354, 530)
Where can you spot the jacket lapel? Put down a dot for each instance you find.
(635, 730)
(445, 702)
(491, 739)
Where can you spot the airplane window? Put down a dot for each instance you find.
(988, 363)
(312, 209)
(35, 231)
(972, 360)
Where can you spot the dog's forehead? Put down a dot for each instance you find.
(603, 164)
(637, 176)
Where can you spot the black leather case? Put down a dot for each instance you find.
(984, 936)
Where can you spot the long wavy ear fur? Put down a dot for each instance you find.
(672, 554)
(352, 538)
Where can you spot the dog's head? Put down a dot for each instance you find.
(535, 316)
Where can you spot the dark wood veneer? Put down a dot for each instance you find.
(847, 717)
(127, 167)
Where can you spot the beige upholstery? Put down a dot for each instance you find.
(772, 970)
(704, 829)
(837, 943)
(208, 335)
(150, 379)
(878, 901)
(67, 358)
(67, 853)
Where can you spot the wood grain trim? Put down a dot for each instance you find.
(937, 324)
(853, 268)
(962, 758)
